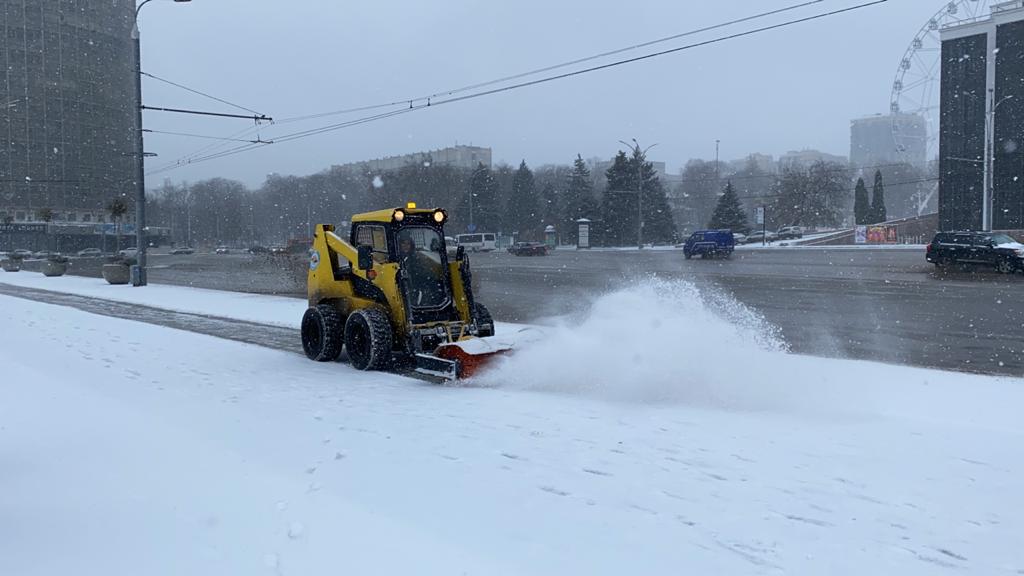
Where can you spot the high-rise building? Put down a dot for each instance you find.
(67, 103)
(982, 122)
(873, 140)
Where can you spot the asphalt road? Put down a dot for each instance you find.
(876, 304)
(883, 305)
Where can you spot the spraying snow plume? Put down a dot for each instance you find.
(658, 341)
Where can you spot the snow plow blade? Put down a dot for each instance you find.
(461, 360)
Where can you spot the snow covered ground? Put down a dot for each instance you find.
(134, 449)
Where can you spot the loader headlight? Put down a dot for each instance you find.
(440, 216)
(399, 215)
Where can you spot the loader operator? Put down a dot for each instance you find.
(426, 280)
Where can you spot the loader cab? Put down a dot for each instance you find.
(414, 240)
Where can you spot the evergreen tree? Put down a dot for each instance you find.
(862, 211)
(579, 201)
(618, 207)
(480, 206)
(620, 202)
(549, 206)
(878, 200)
(659, 224)
(523, 215)
(729, 212)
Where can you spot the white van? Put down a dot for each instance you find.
(478, 242)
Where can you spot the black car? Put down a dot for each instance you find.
(528, 249)
(986, 248)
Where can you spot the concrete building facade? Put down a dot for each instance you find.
(981, 140)
(67, 105)
(873, 140)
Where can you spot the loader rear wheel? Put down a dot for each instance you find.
(322, 333)
(483, 319)
(368, 339)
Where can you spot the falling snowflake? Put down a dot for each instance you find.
(378, 182)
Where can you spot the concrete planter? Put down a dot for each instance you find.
(11, 265)
(51, 268)
(117, 273)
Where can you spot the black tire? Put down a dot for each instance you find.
(368, 339)
(484, 320)
(1004, 266)
(687, 256)
(322, 333)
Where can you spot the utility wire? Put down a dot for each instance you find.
(194, 91)
(430, 103)
(412, 101)
(224, 139)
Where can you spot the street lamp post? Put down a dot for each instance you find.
(987, 206)
(140, 154)
(640, 157)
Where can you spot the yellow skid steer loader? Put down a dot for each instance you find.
(389, 295)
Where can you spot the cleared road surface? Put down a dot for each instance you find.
(877, 304)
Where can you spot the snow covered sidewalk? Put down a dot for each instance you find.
(134, 449)
(258, 308)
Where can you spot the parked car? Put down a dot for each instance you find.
(739, 237)
(790, 233)
(257, 249)
(183, 250)
(758, 236)
(44, 254)
(222, 250)
(22, 253)
(528, 249)
(710, 244)
(90, 253)
(985, 248)
(278, 250)
(128, 253)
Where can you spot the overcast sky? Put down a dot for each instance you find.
(786, 89)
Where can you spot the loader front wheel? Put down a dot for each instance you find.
(322, 333)
(483, 319)
(368, 339)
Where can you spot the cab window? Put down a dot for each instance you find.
(375, 237)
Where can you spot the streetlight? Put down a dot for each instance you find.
(140, 177)
(990, 160)
(641, 156)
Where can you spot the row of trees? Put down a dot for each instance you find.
(805, 197)
(827, 188)
(519, 201)
(522, 202)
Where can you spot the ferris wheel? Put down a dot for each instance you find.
(915, 90)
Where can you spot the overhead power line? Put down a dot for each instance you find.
(410, 102)
(202, 136)
(204, 94)
(430, 103)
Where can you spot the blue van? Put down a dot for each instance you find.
(710, 244)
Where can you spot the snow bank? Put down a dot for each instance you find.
(670, 342)
(134, 449)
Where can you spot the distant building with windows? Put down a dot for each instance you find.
(68, 109)
(808, 157)
(458, 156)
(873, 140)
(982, 109)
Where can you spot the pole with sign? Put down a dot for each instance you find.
(760, 220)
